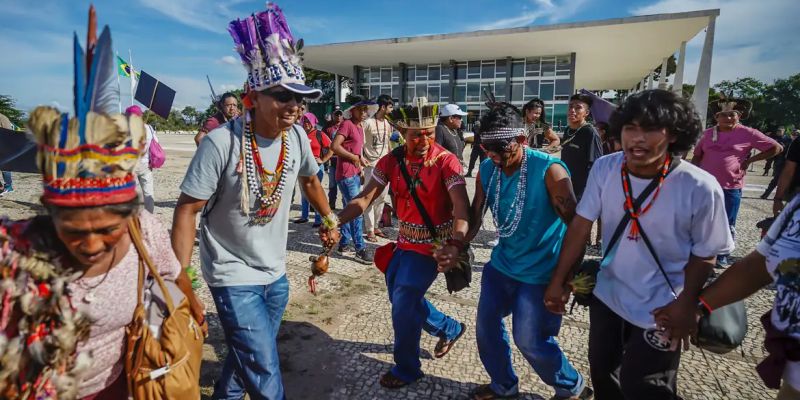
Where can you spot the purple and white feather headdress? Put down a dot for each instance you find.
(269, 52)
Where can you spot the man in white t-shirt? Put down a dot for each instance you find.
(641, 311)
(377, 131)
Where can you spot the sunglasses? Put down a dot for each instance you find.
(284, 96)
(498, 147)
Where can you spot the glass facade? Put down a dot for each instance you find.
(548, 78)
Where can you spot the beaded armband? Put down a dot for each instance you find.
(330, 221)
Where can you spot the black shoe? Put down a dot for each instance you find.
(300, 220)
(363, 257)
(346, 249)
(316, 225)
(586, 394)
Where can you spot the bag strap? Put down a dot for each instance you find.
(636, 205)
(207, 209)
(400, 156)
(134, 227)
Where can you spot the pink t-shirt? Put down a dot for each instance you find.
(114, 300)
(723, 158)
(354, 143)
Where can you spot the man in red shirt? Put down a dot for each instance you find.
(333, 126)
(418, 258)
(321, 147)
(228, 106)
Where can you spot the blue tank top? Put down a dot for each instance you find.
(531, 253)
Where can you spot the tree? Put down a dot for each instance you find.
(9, 108)
(190, 115)
(672, 66)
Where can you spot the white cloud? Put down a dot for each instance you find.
(207, 15)
(231, 60)
(551, 11)
(752, 38)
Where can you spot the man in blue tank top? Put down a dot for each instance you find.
(530, 197)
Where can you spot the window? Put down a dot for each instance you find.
(548, 67)
(563, 66)
(474, 70)
(374, 91)
(559, 115)
(364, 91)
(374, 75)
(501, 69)
(563, 89)
(473, 91)
(445, 72)
(422, 90)
(546, 91)
(532, 66)
(411, 73)
(487, 70)
(461, 71)
(461, 93)
(518, 69)
(422, 72)
(410, 94)
(433, 94)
(516, 92)
(445, 93)
(385, 89)
(434, 72)
(500, 91)
(531, 89)
(395, 91)
(386, 75)
(486, 87)
(395, 74)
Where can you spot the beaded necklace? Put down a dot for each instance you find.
(266, 185)
(510, 223)
(633, 233)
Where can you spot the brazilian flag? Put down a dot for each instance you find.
(124, 69)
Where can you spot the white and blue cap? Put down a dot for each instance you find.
(450, 110)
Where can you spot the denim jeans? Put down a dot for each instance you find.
(408, 277)
(534, 330)
(7, 184)
(305, 205)
(733, 198)
(353, 230)
(250, 317)
(333, 190)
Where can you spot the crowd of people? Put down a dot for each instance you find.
(75, 278)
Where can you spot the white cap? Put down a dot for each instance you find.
(450, 110)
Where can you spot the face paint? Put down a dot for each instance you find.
(418, 143)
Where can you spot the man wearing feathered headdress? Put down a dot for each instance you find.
(239, 177)
(724, 151)
(413, 263)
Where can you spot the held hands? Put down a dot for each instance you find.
(329, 237)
(446, 257)
(679, 319)
(556, 297)
(198, 312)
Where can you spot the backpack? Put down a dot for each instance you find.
(156, 153)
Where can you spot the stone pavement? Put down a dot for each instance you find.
(337, 344)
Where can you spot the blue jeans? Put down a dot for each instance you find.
(7, 184)
(408, 277)
(534, 330)
(353, 230)
(333, 190)
(305, 205)
(250, 317)
(733, 198)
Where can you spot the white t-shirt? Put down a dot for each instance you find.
(688, 217)
(150, 135)
(376, 140)
(783, 263)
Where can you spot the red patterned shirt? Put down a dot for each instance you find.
(437, 174)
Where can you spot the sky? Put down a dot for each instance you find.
(181, 41)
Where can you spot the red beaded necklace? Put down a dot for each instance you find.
(633, 234)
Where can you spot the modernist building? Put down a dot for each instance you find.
(549, 62)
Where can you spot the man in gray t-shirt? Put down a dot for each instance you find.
(241, 177)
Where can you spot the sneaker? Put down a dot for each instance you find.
(363, 257)
(586, 394)
(345, 249)
(722, 262)
(300, 220)
(316, 225)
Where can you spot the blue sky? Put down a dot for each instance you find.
(180, 41)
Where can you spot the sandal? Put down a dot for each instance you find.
(485, 392)
(443, 346)
(379, 233)
(372, 238)
(389, 381)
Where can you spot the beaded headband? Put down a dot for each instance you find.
(499, 134)
(87, 160)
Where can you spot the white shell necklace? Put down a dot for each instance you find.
(511, 221)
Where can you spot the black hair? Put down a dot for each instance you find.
(534, 103)
(338, 112)
(354, 98)
(583, 98)
(385, 100)
(601, 125)
(501, 115)
(124, 210)
(225, 96)
(659, 109)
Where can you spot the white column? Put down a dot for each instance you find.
(650, 81)
(662, 79)
(338, 90)
(677, 83)
(642, 84)
(700, 95)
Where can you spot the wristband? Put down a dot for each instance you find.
(330, 221)
(459, 244)
(707, 310)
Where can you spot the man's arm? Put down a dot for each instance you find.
(740, 281)
(341, 152)
(183, 235)
(460, 199)
(312, 188)
(785, 180)
(572, 250)
(356, 207)
(200, 135)
(476, 210)
(559, 188)
(772, 152)
(552, 138)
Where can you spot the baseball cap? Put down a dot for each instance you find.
(450, 110)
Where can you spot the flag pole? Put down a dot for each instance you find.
(133, 73)
(118, 85)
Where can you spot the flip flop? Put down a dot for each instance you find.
(443, 346)
(380, 233)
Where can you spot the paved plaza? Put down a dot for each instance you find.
(337, 344)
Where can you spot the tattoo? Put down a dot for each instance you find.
(565, 207)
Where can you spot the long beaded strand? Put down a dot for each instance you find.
(268, 192)
(507, 228)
